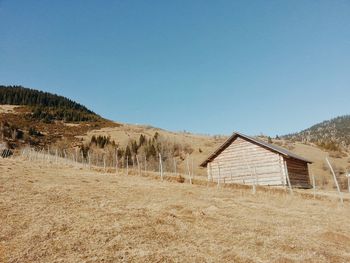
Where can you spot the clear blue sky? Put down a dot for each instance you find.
(203, 66)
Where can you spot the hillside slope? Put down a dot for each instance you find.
(172, 145)
(18, 129)
(46, 106)
(332, 134)
(59, 214)
(39, 119)
(20, 126)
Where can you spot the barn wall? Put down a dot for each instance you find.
(298, 172)
(246, 163)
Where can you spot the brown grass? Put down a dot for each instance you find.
(58, 132)
(202, 145)
(64, 136)
(207, 144)
(62, 214)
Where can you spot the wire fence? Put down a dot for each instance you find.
(112, 164)
(137, 165)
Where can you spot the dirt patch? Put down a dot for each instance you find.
(8, 108)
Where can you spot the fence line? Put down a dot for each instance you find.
(97, 161)
(139, 166)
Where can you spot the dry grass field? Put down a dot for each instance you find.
(64, 214)
(202, 145)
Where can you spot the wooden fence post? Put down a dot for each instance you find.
(174, 161)
(76, 156)
(287, 175)
(48, 154)
(82, 158)
(133, 162)
(192, 168)
(251, 173)
(89, 157)
(138, 165)
(313, 184)
(335, 180)
(160, 166)
(219, 178)
(256, 177)
(127, 165)
(104, 163)
(116, 161)
(188, 169)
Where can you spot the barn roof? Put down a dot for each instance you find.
(261, 143)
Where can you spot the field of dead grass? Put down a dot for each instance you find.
(63, 214)
(202, 145)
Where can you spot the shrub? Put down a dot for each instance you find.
(180, 179)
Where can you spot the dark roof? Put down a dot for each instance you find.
(261, 143)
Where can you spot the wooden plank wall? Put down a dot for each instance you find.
(298, 172)
(244, 162)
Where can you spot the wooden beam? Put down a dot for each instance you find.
(335, 180)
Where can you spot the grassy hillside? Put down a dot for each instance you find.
(172, 145)
(18, 129)
(60, 214)
(332, 134)
(39, 119)
(46, 106)
(20, 126)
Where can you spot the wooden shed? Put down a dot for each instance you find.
(247, 160)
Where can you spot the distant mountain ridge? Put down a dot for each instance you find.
(333, 133)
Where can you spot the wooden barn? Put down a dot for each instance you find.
(246, 160)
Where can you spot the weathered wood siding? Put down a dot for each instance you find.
(298, 172)
(246, 163)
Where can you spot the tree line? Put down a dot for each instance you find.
(46, 107)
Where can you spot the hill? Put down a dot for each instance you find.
(135, 140)
(42, 120)
(46, 106)
(102, 138)
(55, 213)
(39, 119)
(330, 135)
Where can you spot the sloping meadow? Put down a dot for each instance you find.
(64, 214)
